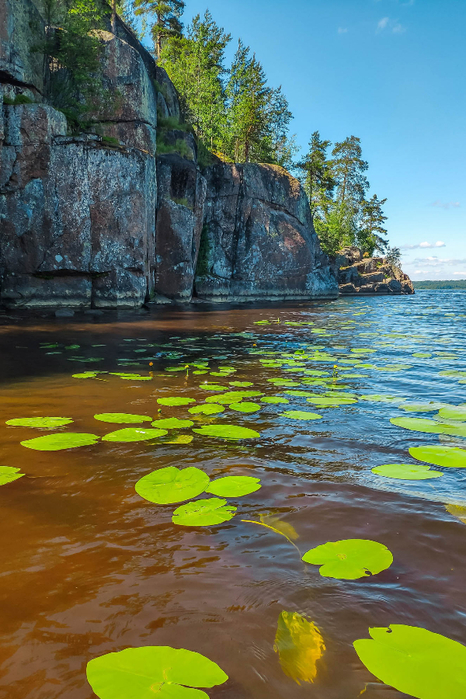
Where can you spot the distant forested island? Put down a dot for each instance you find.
(448, 284)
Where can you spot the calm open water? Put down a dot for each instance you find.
(88, 567)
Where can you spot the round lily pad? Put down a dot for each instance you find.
(202, 513)
(227, 432)
(48, 422)
(85, 375)
(429, 426)
(350, 559)
(453, 412)
(232, 397)
(172, 423)
(245, 407)
(449, 457)
(132, 377)
(181, 439)
(175, 400)
(170, 485)
(61, 440)
(168, 673)
(234, 486)
(212, 387)
(274, 399)
(208, 409)
(330, 401)
(430, 407)
(8, 474)
(301, 415)
(415, 661)
(406, 472)
(241, 384)
(122, 418)
(133, 434)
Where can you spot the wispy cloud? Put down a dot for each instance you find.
(433, 262)
(383, 24)
(398, 28)
(423, 246)
(446, 204)
(342, 30)
(390, 25)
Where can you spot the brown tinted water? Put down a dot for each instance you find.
(89, 567)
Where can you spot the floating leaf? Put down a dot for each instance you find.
(206, 409)
(449, 457)
(132, 377)
(85, 375)
(8, 474)
(175, 400)
(169, 485)
(241, 384)
(48, 422)
(203, 513)
(458, 511)
(181, 439)
(406, 472)
(61, 440)
(122, 418)
(301, 415)
(245, 407)
(212, 387)
(429, 407)
(133, 434)
(350, 559)
(232, 397)
(140, 673)
(299, 645)
(330, 401)
(429, 426)
(234, 486)
(274, 399)
(172, 423)
(453, 412)
(227, 432)
(415, 661)
(382, 398)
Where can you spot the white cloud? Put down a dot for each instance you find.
(446, 204)
(437, 262)
(342, 30)
(398, 28)
(383, 23)
(438, 244)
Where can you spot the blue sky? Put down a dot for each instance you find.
(392, 73)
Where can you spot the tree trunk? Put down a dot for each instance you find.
(114, 17)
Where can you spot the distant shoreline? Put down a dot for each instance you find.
(446, 284)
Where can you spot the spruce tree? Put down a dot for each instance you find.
(167, 19)
(371, 231)
(318, 179)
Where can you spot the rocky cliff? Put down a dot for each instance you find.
(123, 213)
(370, 275)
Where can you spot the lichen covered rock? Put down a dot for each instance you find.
(371, 275)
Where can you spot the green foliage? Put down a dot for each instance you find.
(110, 141)
(18, 99)
(8, 474)
(165, 16)
(179, 146)
(350, 559)
(433, 284)
(393, 257)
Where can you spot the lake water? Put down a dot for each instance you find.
(89, 567)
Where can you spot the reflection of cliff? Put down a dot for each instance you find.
(371, 275)
(117, 215)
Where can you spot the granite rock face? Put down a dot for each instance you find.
(371, 275)
(258, 241)
(123, 213)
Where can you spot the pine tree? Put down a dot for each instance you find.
(167, 21)
(348, 169)
(371, 231)
(318, 179)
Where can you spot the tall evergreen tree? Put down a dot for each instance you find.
(371, 231)
(167, 19)
(348, 170)
(195, 64)
(318, 179)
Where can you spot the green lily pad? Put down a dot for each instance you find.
(172, 423)
(452, 412)
(61, 440)
(232, 397)
(274, 400)
(203, 513)
(133, 434)
(170, 485)
(8, 474)
(406, 472)
(85, 375)
(140, 673)
(429, 426)
(48, 422)
(448, 457)
(422, 355)
(245, 407)
(350, 559)
(241, 384)
(132, 377)
(208, 409)
(227, 432)
(234, 486)
(301, 415)
(429, 407)
(382, 398)
(175, 400)
(122, 418)
(181, 439)
(329, 401)
(415, 661)
(212, 387)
